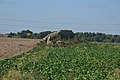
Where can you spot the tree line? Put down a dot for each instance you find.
(97, 37)
(80, 36)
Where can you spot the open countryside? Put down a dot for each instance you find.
(59, 39)
(79, 62)
(60, 55)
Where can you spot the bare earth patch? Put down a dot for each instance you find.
(10, 47)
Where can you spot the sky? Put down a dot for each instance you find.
(43, 15)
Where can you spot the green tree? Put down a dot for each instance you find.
(26, 34)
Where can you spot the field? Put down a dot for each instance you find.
(10, 47)
(91, 61)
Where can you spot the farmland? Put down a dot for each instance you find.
(10, 47)
(91, 61)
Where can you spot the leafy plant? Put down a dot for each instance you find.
(91, 61)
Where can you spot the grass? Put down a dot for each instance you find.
(10, 47)
(93, 61)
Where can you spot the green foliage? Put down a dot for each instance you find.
(6, 65)
(92, 61)
(97, 37)
(12, 34)
(69, 35)
(66, 34)
(26, 34)
(43, 34)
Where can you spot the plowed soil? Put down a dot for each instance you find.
(10, 47)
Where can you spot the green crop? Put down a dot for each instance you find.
(94, 61)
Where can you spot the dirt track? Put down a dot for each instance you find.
(10, 47)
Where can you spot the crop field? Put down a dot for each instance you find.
(91, 61)
(10, 47)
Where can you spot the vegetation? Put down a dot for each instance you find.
(97, 37)
(80, 36)
(29, 34)
(91, 61)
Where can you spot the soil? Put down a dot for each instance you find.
(10, 47)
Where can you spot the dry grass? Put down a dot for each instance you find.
(13, 75)
(10, 47)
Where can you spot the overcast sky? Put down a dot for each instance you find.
(78, 15)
